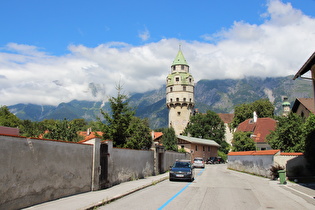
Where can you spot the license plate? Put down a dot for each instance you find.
(179, 175)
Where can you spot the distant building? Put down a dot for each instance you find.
(286, 106)
(227, 119)
(303, 107)
(179, 94)
(260, 128)
(198, 147)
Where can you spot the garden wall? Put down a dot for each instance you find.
(35, 171)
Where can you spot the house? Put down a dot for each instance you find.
(87, 135)
(309, 65)
(198, 147)
(227, 119)
(303, 107)
(260, 128)
(156, 137)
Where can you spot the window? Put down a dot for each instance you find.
(178, 113)
(182, 67)
(174, 67)
(184, 88)
(177, 79)
(171, 100)
(177, 99)
(185, 99)
(196, 147)
(208, 148)
(171, 89)
(190, 80)
(203, 148)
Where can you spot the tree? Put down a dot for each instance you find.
(138, 134)
(169, 139)
(288, 135)
(63, 130)
(7, 118)
(208, 126)
(308, 130)
(243, 142)
(117, 123)
(242, 112)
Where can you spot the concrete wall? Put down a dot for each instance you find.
(295, 165)
(169, 157)
(127, 164)
(255, 164)
(34, 171)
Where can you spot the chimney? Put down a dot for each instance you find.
(88, 132)
(255, 117)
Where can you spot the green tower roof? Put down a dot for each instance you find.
(180, 59)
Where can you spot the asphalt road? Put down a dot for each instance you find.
(216, 187)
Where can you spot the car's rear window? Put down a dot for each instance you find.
(197, 159)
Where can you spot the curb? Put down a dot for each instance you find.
(108, 200)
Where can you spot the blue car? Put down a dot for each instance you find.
(182, 170)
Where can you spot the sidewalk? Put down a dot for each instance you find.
(92, 199)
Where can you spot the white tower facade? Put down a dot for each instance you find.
(179, 94)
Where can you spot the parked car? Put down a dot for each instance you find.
(198, 162)
(214, 160)
(182, 170)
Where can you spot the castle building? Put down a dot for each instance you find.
(179, 94)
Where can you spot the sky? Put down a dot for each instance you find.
(56, 51)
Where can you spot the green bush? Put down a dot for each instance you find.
(274, 171)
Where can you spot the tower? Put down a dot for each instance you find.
(286, 106)
(179, 94)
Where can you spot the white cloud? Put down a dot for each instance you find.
(144, 35)
(277, 47)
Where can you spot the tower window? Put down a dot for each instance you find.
(171, 100)
(174, 67)
(177, 79)
(171, 89)
(190, 80)
(178, 113)
(184, 99)
(190, 100)
(182, 67)
(184, 88)
(177, 99)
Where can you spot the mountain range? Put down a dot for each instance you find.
(220, 96)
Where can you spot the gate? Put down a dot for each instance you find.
(104, 165)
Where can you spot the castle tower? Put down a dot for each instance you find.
(286, 106)
(179, 94)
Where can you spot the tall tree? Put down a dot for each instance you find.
(242, 112)
(169, 139)
(117, 122)
(243, 142)
(138, 134)
(208, 126)
(288, 135)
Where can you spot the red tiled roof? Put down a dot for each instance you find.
(92, 135)
(259, 129)
(157, 135)
(9, 131)
(226, 118)
(262, 152)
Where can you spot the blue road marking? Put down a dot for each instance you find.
(177, 194)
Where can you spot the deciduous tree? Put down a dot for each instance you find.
(243, 142)
(169, 139)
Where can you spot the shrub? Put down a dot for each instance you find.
(274, 171)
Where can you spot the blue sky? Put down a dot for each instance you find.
(57, 51)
